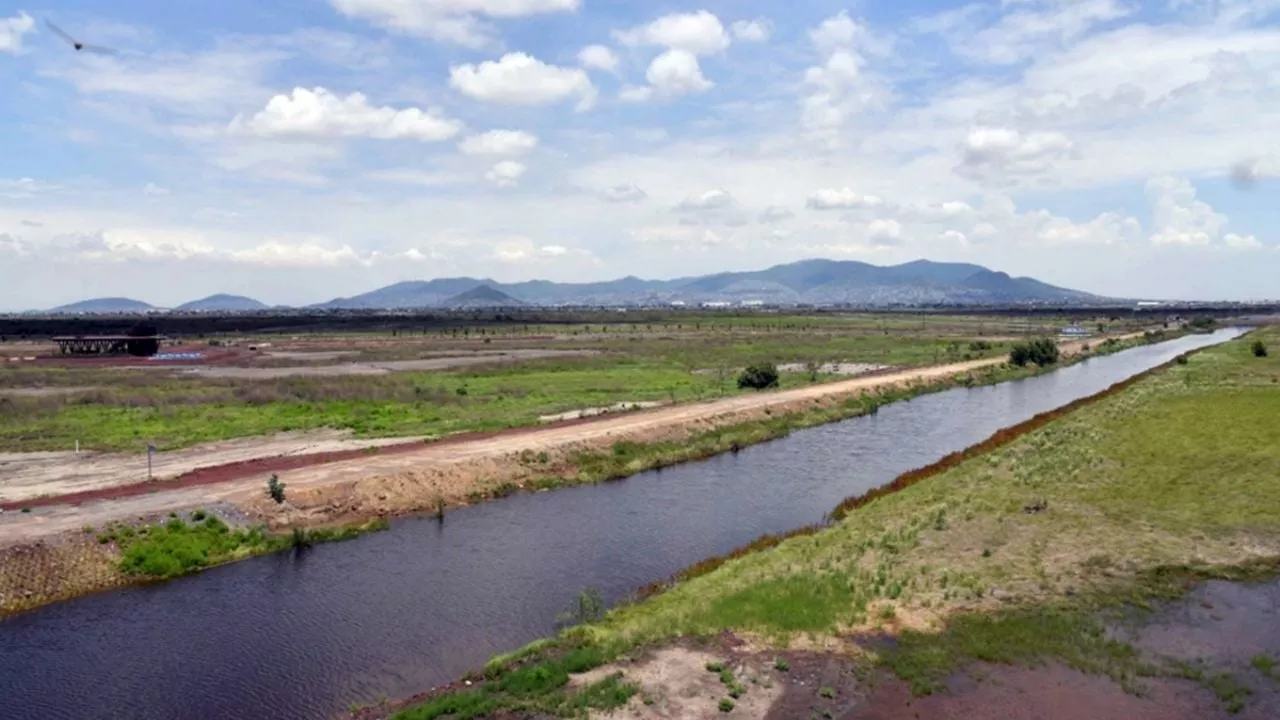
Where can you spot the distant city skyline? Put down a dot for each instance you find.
(305, 150)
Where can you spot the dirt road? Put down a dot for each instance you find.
(408, 481)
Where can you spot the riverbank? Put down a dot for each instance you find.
(1028, 564)
(75, 562)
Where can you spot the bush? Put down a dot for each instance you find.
(1203, 323)
(1042, 352)
(1259, 348)
(275, 489)
(726, 705)
(759, 377)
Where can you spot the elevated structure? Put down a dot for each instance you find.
(142, 345)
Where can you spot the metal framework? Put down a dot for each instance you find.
(99, 344)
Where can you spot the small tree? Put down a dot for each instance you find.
(275, 489)
(1259, 348)
(1042, 352)
(759, 377)
(813, 367)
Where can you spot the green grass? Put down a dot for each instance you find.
(534, 683)
(1175, 479)
(128, 410)
(177, 548)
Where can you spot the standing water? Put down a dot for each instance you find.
(394, 613)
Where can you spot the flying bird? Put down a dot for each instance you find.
(79, 46)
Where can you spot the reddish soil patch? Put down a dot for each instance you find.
(229, 472)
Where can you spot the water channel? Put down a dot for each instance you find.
(393, 613)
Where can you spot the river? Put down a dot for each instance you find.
(393, 613)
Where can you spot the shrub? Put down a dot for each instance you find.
(1042, 352)
(1181, 360)
(1203, 323)
(759, 377)
(275, 489)
(726, 705)
(1259, 348)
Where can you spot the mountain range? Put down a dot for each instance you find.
(816, 282)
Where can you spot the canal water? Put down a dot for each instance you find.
(393, 613)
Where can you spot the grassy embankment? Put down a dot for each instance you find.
(1014, 555)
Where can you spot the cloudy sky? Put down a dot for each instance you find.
(297, 150)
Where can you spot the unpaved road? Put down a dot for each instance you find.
(24, 476)
(18, 528)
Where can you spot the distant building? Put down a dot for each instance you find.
(1074, 331)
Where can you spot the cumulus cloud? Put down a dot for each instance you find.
(953, 236)
(1178, 218)
(598, 57)
(11, 32)
(1247, 173)
(841, 199)
(320, 113)
(455, 21)
(839, 87)
(499, 142)
(709, 200)
(775, 214)
(520, 79)
(698, 33)
(506, 173)
(624, 193)
(676, 72)
(757, 30)
(1001, 154)
(884, 231)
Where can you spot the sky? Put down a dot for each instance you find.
(301, 150)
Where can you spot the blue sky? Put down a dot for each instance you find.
(304, 149)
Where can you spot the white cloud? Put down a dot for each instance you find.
(1108, 228)
(154, 189)
(709, 200)
(499, 142)
(953, 236)
(884, 231)
(698, 33)
(1241, 242)
(837, 31)
(757, 30)
(25, 187)
(598, 57)
(1001, 154)
(520, 250)
(841, 198)
(11, 32)
(775, 214)
(320, 113)
(453, 21)
(635, 93)
(624, 193)
(1035, 28)
(676, 72)
(1178, 217)
(519, 79)
(506, 173)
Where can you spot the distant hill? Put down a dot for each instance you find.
(222, 303)
(481, 297)
(105, 305)
(921, 282)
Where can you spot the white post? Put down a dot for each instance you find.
(77, 447)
